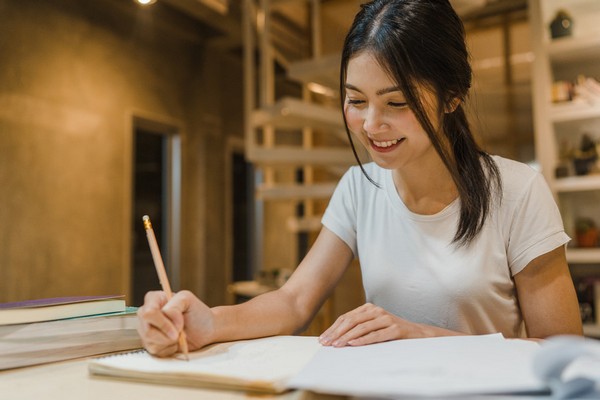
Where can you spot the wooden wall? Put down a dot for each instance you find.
(73, 75)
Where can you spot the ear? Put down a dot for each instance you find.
(452, 105)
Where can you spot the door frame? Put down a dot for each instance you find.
(171, 129)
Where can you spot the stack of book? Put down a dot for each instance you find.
(47, 330)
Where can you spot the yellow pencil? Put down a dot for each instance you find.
(162, 275)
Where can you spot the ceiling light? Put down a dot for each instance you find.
(145, 2)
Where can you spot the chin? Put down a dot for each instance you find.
(386, 164)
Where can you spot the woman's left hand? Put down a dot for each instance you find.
(368, 324)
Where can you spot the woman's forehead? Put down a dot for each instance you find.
(365, 69)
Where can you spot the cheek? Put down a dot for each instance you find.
(354, 120)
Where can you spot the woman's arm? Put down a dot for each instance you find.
(284, 311)
(547, 296)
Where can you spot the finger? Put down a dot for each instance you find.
(360, 330)
(382, 335)
(179, 305)
(154, 318)
(160, 350)
(153, 340)
(344, 323)
(155, 299)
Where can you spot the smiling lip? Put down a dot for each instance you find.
(385, 146)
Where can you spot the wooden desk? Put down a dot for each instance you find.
(69, 380)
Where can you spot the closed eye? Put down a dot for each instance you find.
(354, 101)
(397, 105)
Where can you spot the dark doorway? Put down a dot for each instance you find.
(243, 195)
(149, 198)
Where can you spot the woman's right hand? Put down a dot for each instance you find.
(161, 321)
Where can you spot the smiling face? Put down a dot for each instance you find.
(378, 115)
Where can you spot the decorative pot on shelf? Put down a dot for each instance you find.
(586, 232)
(561, 25)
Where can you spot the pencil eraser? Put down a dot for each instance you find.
(145, 218)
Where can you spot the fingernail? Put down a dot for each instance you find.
(173, 335)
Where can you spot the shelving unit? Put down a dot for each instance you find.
(294, 133)
(557, 125)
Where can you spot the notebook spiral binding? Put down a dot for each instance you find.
(123, 353)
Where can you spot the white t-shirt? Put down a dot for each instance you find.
(410, 266)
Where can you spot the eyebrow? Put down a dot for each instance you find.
(379, 92)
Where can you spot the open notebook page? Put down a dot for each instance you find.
(456, 365)
(261, 364)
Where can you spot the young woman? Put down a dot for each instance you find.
(451, 240)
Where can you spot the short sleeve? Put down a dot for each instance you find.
(536, 226)
(340, 216)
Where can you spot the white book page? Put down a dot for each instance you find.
(429, 367)
(267, 359)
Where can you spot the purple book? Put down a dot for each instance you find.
(56, 300)
(37, 310)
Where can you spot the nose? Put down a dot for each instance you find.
(373, 122)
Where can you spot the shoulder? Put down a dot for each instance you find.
(517, 178)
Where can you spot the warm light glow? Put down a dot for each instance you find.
(320, 89)
(145, 2)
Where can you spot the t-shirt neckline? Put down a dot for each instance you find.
(399, 205)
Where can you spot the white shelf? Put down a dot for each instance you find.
(577, 184)
(591, 330)
(583, 256)
(574, 49)
(573, 111)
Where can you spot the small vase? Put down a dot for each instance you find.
(587, 239)
(561, 25)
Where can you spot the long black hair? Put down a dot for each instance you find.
(423, 42)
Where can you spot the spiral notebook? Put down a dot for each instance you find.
(431, 367)
(260, 365)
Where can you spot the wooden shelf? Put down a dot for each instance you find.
(249, 288)
(577, 183)
(289, 155)
(296, 191)
(290, 113)
(324, 70)
(583, 256)
(304, 224)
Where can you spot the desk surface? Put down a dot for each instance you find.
(69, 380)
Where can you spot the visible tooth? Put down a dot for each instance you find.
(386, 143)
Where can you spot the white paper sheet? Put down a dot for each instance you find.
(269, 359)
(426, 367)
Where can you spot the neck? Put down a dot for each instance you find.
(426, 188)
